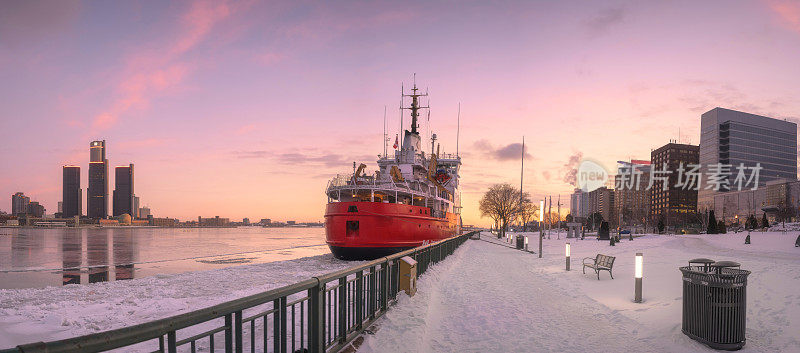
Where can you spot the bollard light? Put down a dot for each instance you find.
(567, 252)
(638, 277)
(526, 243)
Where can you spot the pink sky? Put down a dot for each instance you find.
(246, 109)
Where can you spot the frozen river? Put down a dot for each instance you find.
(31, 258)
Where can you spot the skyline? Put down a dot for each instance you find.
(226, 112)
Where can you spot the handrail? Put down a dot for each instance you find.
(351, 306)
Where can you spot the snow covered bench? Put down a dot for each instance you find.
(601, 262)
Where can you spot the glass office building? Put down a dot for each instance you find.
(733, 137)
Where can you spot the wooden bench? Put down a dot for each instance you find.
(601, 262)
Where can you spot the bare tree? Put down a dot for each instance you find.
(527, 211)
(501, 202)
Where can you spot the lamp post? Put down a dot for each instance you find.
(526, 243)
(541, 227)
(566, 250)
(638, 277)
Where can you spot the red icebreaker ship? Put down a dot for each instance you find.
(411, 200)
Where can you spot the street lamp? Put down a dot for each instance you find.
(567, 252)
(638, 278)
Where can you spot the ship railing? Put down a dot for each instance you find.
(320, 314)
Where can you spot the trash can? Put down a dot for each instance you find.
(714, 304)
(520, 242)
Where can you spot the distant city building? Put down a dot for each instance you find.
(632, 200)
(97, 193)
(136, 207)
(71, 194)
(60, 207)
(674, 205)
(19, 204)
(213, 222)
(164, 222)
(265, 221)
(579, 204)
(291, 223)
(602, 200)
(144, 212)
(35, 210)
(123, 190)
(733, 137)
(246, 221)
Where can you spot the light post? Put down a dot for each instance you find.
(638, 277)
(526, 243)
(566, 250)
(541, 227)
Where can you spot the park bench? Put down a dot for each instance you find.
(601, 262)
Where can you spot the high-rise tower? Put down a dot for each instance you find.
(123, 190)
(71, 192)
(97, 193)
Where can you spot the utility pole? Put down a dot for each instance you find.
(521, 174)
(549, 216)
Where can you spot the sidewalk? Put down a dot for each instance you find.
(486, 298)
(492, 298)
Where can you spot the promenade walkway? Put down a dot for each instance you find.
(486, 298)
(493, 298)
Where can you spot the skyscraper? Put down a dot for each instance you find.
(97, 193)
(71, 192)
(123, 190)
(672, 204)
(733, 137)
(19, 204)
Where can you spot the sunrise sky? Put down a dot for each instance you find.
(246, 109)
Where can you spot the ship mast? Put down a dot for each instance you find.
(415, 105)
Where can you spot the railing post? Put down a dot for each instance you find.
(283, 324)
(342, 312)
(359, 294)
(276, 326)
(229, 333)
(373, 288)
(171, 346)
(316, 321)
(237, 318)
(385, 283)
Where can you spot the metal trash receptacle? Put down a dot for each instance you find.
(408, 275)
(715, 305)
(520, 242)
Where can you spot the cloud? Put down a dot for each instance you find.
(570, 168)
(150, 73)
(309, 158)
(511, 151)
(269, 58)
(603, 20)
(788, 13)
(246, 129)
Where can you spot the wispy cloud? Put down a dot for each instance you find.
(512, 151)
(604, 20)
(788, 12)
(149, 73)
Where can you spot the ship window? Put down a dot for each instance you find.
(352, 228)
(352, 208)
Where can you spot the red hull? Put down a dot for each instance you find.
(363, 230)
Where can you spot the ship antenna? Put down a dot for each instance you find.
(402, 94)
(385, 139)
(458, 127)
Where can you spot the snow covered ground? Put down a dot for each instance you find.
(485, 297)
(489, 297)
(45, 314)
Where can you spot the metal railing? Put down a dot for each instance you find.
(321, 314)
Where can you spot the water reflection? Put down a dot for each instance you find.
(71, 244)
(34, 257)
